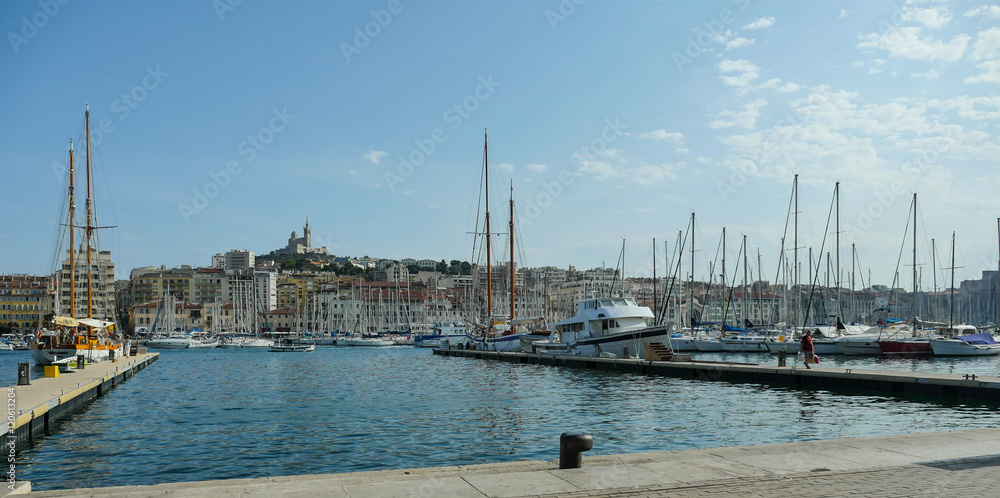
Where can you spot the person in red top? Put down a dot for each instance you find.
(807, 348)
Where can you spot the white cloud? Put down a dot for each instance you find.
(662, 135)
(763, 22)
(932, 17)
(744, 119)
(746, 70)
(776, 84)
(352, 173)
(506, 167)
(977, 108)
(991, 73)
(739, 42)
(843, 13)
(906, 42)
(374, 156)
(987, 45)
(986, 11)
(929, 74)
(538, 168)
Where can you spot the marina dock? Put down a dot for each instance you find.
(48, 399)
(957, 463)
(934, 385)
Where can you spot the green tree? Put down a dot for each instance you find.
(442, 267)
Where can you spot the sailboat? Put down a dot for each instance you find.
(962, 340)
(495, 333)
(96, 338)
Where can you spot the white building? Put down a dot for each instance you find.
(265, 286)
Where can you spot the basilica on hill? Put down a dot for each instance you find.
(303, 244)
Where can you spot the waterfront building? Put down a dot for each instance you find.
(186, 284)
(24, 302)
(219, 261)
(265, 286)
(101, 275)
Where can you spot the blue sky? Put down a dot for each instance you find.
(225, 126)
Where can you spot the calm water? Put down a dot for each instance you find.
(223, 414)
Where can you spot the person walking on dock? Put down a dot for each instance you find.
(807, 348)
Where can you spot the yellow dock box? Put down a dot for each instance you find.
(52, 371)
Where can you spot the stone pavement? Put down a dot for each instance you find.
(956, 463)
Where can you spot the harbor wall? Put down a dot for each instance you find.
(946, 386)
(31, 409)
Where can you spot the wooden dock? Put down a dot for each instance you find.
(893, 383)
(32, 408)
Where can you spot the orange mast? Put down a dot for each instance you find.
(90, 229)
(72, 238)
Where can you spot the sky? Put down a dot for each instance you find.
(219, 125)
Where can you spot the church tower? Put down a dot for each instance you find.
(308, 234)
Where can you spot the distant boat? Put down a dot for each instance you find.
(280, 347)
(980, 344)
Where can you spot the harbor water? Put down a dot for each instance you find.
(241, 413)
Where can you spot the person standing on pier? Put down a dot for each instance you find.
(808, 349)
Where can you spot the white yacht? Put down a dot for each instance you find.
(616, 325)
(183, 341)
(969, 343)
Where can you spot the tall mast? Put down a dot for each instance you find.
(795, 251)
(998, 273)
(836, 278)
(951, 315)
(90, 229)
(512, 249)
(934, 301)
(746, 310)
(691, 287)
(489, 261)
(915, 260)
(72, 235)
(725, 302)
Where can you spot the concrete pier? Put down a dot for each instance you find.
(958, 463)
(46, 400)
(945, 386)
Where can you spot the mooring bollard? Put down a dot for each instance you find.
(781, 357)
(571, 448)
(23, 374)
(79, 362)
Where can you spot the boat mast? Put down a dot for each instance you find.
(655, 307)
(836, 278)
(915, 301)
(72, 235)
(795, 251)
(745, 268)
(489, 262)
(691, 287)
(951, 315)
(90, 228)
(997, 288)
(511, 227)
(725, 302)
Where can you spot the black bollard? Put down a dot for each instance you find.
(571, 448)
(781, 357)
(23, 374)
(79, 362)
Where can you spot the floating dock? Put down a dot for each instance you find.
(32, 408)
(952, 386)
